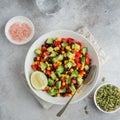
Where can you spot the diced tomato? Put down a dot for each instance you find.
(41, 59)
(48, 72)
(66, 85)
(57, 43)
(64, 40)
(79, 65)
(76, 60)
(44, 48)
(34, 67)
(87, 59)
(62, 48)
(46, 53)
(70, 40)
(82, 72)
(62, 87)
(66, 94)
(79, 43)
(46, 88)
(63, 80)
(38, 68)
(77, 54)
(55, 65)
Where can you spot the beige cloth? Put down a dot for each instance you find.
(102, 58)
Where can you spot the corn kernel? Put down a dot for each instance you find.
(71, 70)
(63, 52)
(38, 58)
(67, 76)
(67, 47)
(58, 94)
(35, 62)
(69, 95)
(63, 83)
(58, 39)
(48, 68)
(57, 79)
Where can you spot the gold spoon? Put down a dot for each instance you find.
(89, 79)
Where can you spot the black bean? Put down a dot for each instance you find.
(35, 58)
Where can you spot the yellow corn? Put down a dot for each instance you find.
(69, 95)
(67, 47)
(58, 39)
(71, 70)
(63, 52)
(63, 83)
(58, 94)
(48, 68)
(38, 58)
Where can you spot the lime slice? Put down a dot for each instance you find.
(38, 80)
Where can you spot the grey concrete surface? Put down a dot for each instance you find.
(102, 17)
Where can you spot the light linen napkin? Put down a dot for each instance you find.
(102, 58)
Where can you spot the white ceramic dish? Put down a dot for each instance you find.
(95, 98)
(19, 19)
(61, 33)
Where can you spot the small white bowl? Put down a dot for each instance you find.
(96, 102)
(19, 19)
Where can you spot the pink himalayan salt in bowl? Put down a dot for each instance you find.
(19, 30)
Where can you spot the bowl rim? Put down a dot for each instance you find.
(70, 31)
(20, 19)
(104, 84)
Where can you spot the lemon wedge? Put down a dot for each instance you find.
(38, 80)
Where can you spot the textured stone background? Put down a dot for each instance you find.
(102, 17)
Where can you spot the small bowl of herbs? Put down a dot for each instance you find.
(107, 98)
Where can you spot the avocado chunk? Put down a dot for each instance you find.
(59, 74)
(50, 49)
(37, 51)
(75, 46)
(79, 80)
(68, 81)
(83, 60)
(43, 66)
(60, 57)
(60, 69)
(70, 55)
(52, 92)
(54, 60)
(69, 64)
(86, 67)
(50, 82)
(75, 73)
(53, 76)
(53, 54)
(50, 41)
(62, 90)
(84, 50)
(72, 88)
(58, 84)
(64, 44)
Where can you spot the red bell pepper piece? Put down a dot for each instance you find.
(34, 67)
(82, 72)
(87, 59)
(70, 40)
(79, 65)
(44, 48)
(48, 72)
(57, 43)
(55, 65)
(64, 39)
(79, 43)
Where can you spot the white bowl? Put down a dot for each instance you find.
(61, 33)
(20, 19)
(96, 102)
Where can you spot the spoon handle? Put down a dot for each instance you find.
(64, 108)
